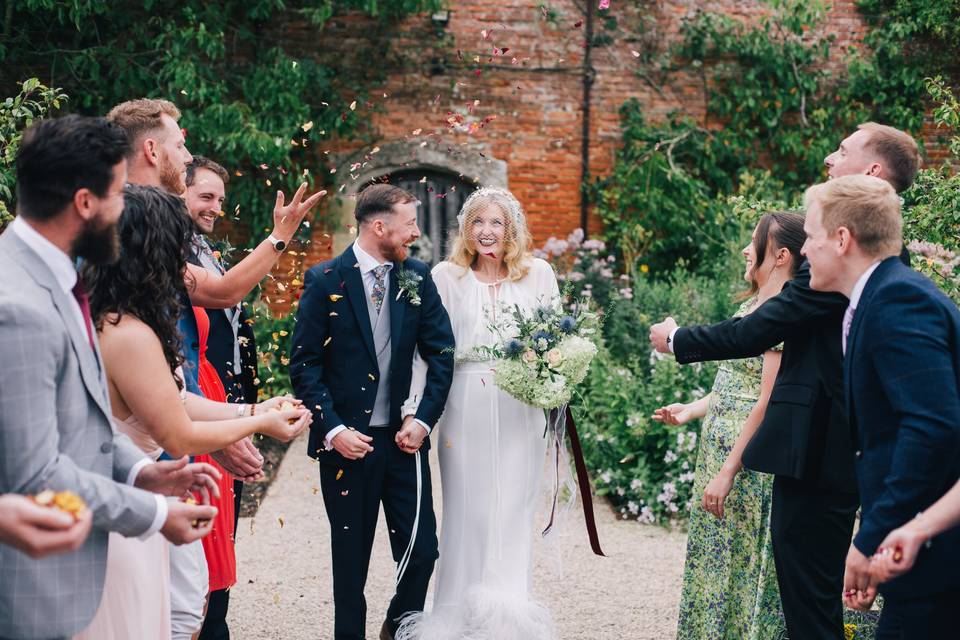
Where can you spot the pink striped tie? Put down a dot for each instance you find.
(847, 323)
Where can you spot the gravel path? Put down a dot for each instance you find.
(284, 587)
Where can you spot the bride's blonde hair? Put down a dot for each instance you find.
(516, 237)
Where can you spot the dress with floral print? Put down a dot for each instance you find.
(729, 581)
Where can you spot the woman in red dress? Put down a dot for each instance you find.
(218, 546)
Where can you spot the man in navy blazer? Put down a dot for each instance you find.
(361, 317)
(901, 342)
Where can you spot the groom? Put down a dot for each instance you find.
(360, 319)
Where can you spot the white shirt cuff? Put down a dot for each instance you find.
(159, 519)
(670, 339)
(328, 442)
(422, 424)
(136, 469)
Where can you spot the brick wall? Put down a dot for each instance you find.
(529, 97)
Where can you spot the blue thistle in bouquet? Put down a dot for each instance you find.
(544, 353)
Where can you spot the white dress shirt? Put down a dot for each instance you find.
(368, 264)
(65, 273)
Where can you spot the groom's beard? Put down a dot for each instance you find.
(395, 254)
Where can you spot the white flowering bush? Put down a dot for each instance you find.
(642, 466)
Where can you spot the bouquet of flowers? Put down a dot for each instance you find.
(544, 353)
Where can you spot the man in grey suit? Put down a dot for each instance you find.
(55, 417)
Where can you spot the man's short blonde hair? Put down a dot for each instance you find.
(142, 116)
(867, 206)
(898, 152)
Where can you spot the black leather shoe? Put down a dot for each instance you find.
(385, 632)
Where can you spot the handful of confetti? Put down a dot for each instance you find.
(66, 501)
(286, 405)
(195, 523)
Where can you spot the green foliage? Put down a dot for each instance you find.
(33, 102)
(273, 335)
(644, 467)
(932, 206)
(765, 84)
(778, 107)
(908, 41)
(250, 99)
(660, 204)
(667, 208)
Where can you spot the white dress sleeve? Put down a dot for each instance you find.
(547, 287)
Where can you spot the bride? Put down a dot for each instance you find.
(491, 446)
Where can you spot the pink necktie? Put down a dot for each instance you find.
(80, 293)
(847, 323)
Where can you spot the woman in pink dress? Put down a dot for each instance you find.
(135, 305)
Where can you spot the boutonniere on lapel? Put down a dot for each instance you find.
(408, 282)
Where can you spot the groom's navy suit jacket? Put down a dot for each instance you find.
(902, 382)
(333, 363)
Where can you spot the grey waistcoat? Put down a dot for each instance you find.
(380, 323)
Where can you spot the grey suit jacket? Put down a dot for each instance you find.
(56, 433)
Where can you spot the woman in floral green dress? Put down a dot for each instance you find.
(729, 581)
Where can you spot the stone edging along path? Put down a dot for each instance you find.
(284, 579)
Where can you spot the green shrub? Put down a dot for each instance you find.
(273, 334)
(17, 113)
(644, 467)
(931, 212)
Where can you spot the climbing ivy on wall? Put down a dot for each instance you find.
(251, 97)
(774, 110)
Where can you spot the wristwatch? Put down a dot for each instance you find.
(277, 243)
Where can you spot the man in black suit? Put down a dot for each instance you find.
(804, 439)
(231, 349)
(360, 319)
(901, 371)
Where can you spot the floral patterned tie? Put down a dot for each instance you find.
(379, 285)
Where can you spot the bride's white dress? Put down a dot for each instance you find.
(492, 450)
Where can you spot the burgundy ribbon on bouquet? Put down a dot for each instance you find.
(583, 480)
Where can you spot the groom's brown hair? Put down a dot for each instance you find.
(378, 199)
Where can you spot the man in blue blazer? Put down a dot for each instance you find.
(361, 317)
(901, 342)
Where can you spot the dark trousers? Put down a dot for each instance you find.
(215, 622)
(386, 475)
(921, 618)
(811, 529)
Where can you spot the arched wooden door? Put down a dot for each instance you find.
(441, 196)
